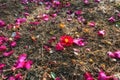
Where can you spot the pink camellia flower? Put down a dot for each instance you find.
(7, 54)
(91, 24)
(3, 48)
(79, 42)
(115, 54)
(112, 19)
(28, 64)
(88, 76)
(20, 20)
(13, 44)
(101, 33)
(59, 47)
(86, 1)
(45, 17)
(2, 23)
(66, 40)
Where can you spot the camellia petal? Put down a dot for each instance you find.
(59, 47)
(112, 19)
(88, 76)
(7, 54)
(115, 54)
(2, 23)
(3, 48)
(101, 33)
(79, 42)
(102, 76)
(28, 64)
(22, 57)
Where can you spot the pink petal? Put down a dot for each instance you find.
(88, 76)
(20, 20)
(18, 76)
(2, 23)
(45, 17)
(28, 64)
(13, 44)
(78, 12)
(91, 24)
(35, 23)
(79, 42)
(22, 57)
(102, 76)
(19, 65)
(11, 78)
(115, 54)
(101, 33)
(86, 1)
(2, 66)
(59, 47)
(3, 48)
(112, 19)
(97, 1)
(7, 54)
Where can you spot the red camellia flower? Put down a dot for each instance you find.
(66, 40)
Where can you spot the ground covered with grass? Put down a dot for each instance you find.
(59, 40)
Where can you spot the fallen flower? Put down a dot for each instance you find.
(7, 54)
(66, 40)
(2, 23)
(88, 76)
(115, 54)
(59, 47)
(79, 41)
(101, 33)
